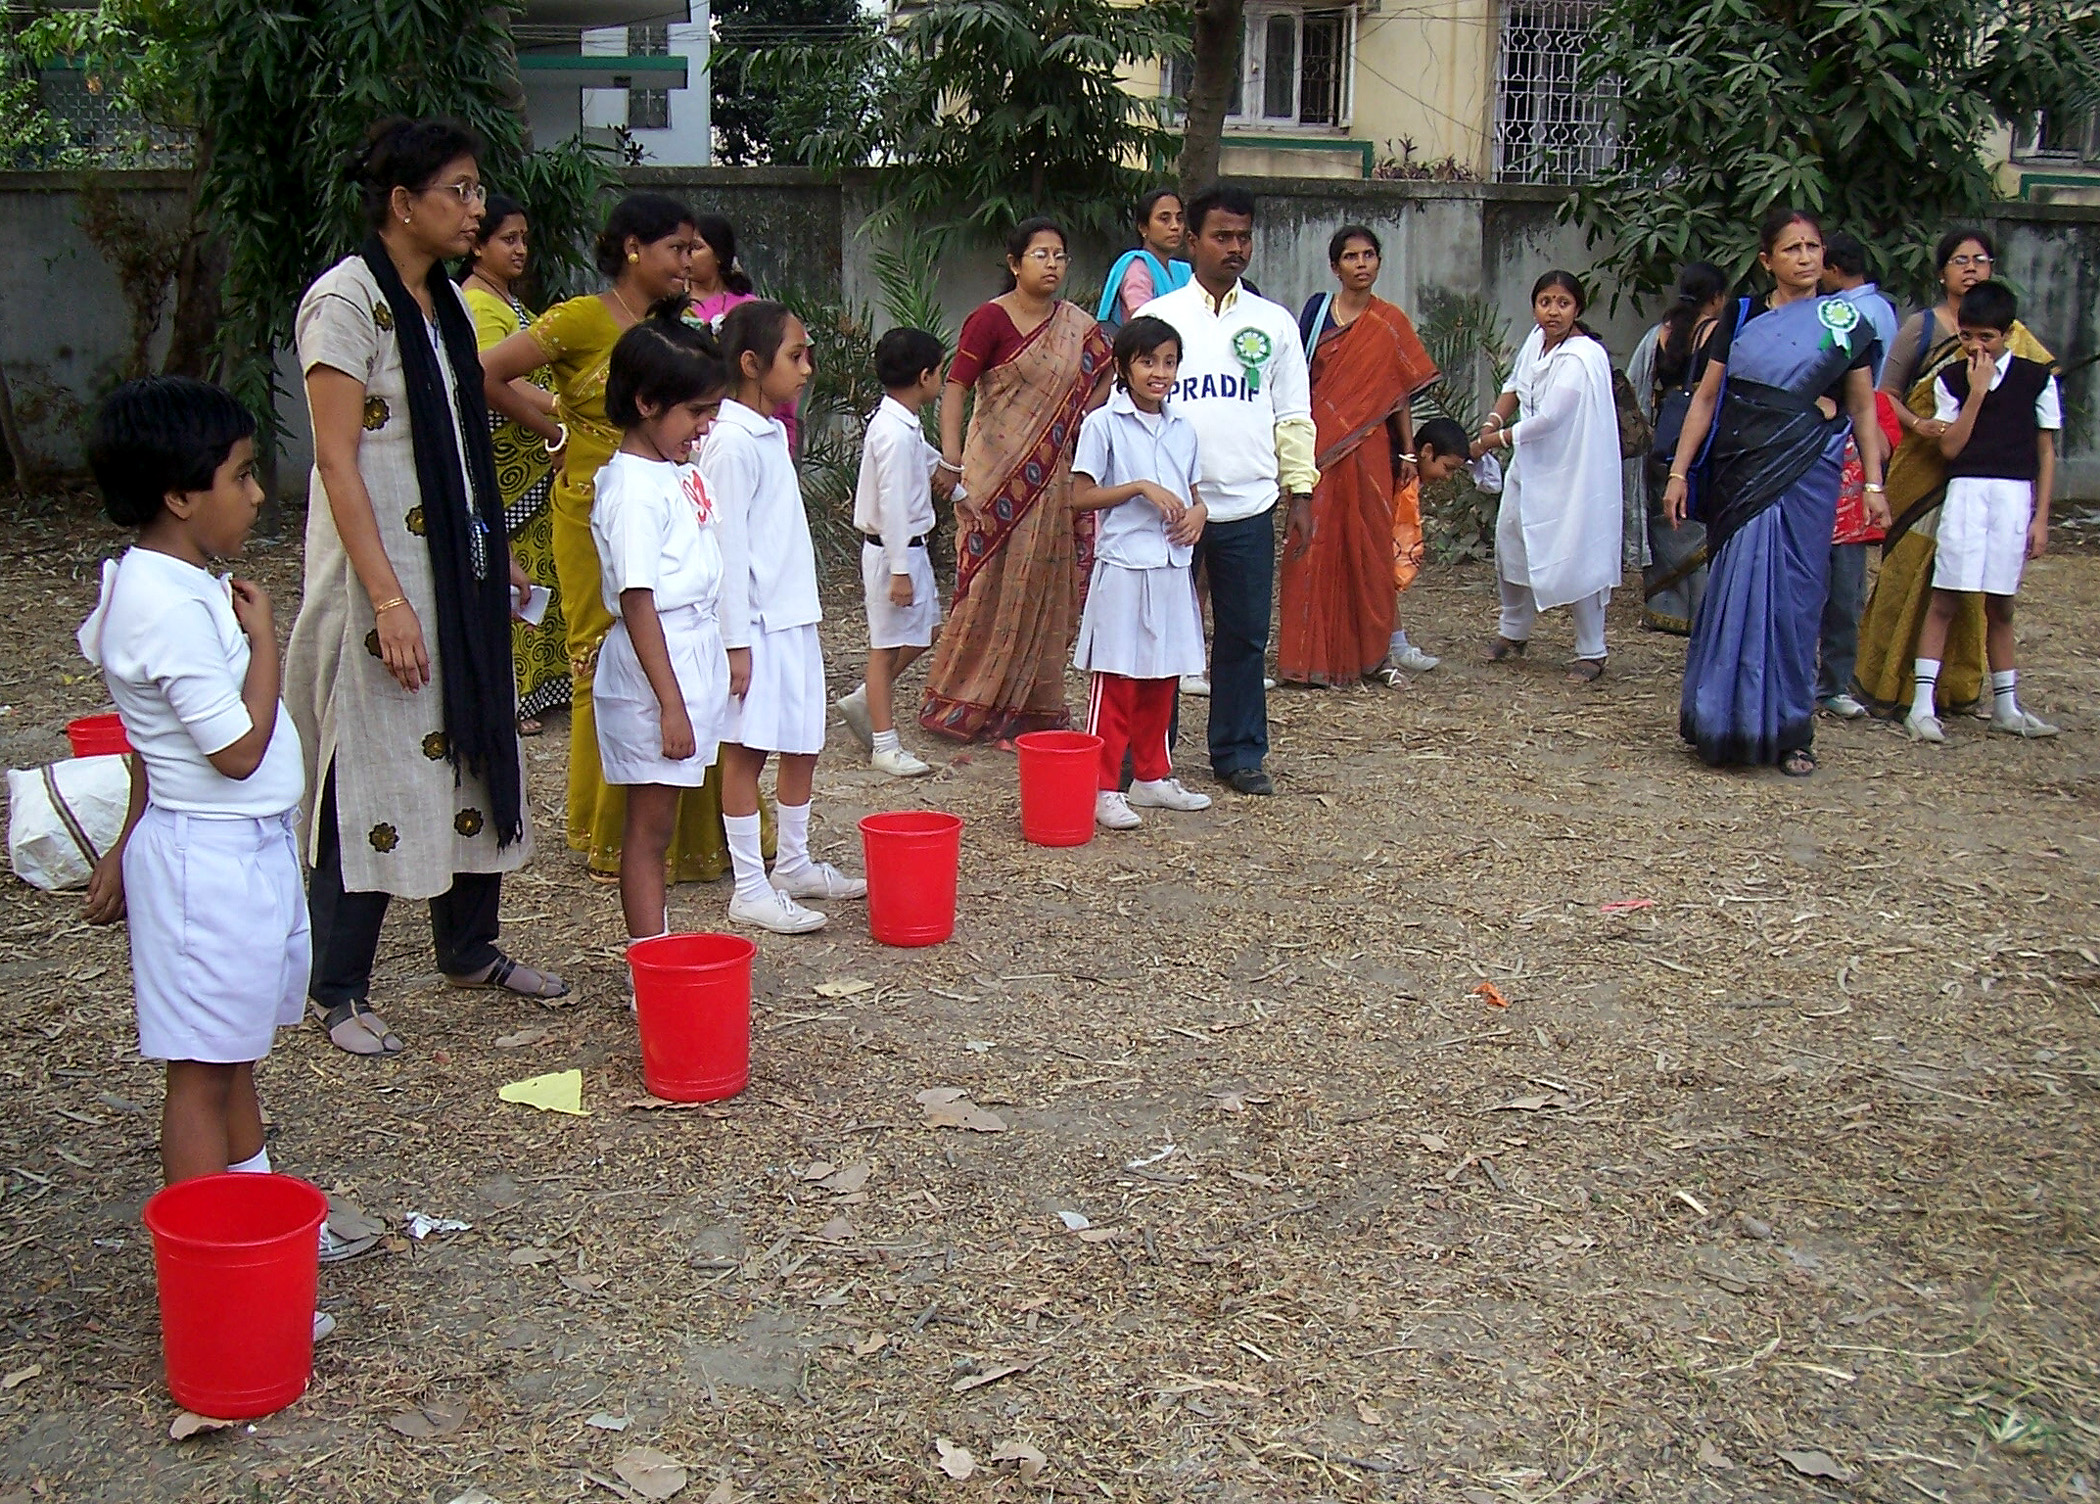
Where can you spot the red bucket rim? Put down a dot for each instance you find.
(182, 1188)
(95, 722)
(641, 952)
(1058, 741)
(935, 820)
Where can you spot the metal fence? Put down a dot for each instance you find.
(101, 135)
(1549, 126)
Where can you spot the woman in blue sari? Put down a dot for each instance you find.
(1780, 396)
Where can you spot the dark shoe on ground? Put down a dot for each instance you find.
(1247, 781)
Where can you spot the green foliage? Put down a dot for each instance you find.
(758, 121)
(1466, 340)
(1869, 112)
(29, 137)
(139, 55)
(978, 113)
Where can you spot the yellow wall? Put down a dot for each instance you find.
(1424, 71)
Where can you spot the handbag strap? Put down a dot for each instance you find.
(1319, 322)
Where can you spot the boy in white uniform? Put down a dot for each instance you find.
(2003, 413)
(208, 864)
(893, 508)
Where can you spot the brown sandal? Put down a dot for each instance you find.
(1585, 670)
(504, 975)
(355, 1029)
(1504, 648)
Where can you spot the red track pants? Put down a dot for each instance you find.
(1132, 715)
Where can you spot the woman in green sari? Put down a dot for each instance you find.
(1888, 631)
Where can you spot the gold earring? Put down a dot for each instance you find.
(634, 255)
(406, 218)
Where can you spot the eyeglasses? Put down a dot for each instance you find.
(467, 193)
(1042, 255)
(1964, 262)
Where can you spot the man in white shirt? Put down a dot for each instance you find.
(1243, 385)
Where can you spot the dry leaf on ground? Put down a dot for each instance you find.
(955, 1461)
(844, 987)
(1031, 1461)
(605, 1422)
(1492, 994)
(848, 1180)
(189, 1423)
(435, 1418)
(522, 1038)
(475, 1496)
(1815, 1465)
(650, 1473)
(870, 1345)
(951, 1107)
(1712, 1456)
(21, 1376)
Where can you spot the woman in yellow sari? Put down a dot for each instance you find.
(539, 652)
(644, 252)
(1888, 630)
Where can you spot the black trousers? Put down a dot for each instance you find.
(463, 924)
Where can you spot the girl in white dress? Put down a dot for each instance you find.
(662, 683)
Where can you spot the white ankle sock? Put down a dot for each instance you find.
(745, 858)
(257, 1163)
(793, 854)
(2003, 701)
(1398, 643)
(1926, 671)
(888, 741)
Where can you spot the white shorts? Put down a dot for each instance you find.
(1983, 535)
(899, 626)
(783, 710)
(630, 722)
(220, 952)
(1140, 623)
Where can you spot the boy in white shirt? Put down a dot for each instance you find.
(208, 864)
(893, 508)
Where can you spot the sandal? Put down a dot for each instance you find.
(1797, 762)
(1504, 648)
(1585, 670)
(355, 1029)
(505, 975)
(1387, 673)
(530, 725)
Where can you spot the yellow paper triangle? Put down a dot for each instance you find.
(560, 1092)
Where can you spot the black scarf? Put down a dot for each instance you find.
(473, 610)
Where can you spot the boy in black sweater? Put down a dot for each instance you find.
(2003, 413)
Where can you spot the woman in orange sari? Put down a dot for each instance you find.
(1367, 364)
(1022, 556)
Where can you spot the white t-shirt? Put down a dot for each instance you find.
(174, 657)
(654, 525)
(1119, 444)
(1242, 372)
(893, 500)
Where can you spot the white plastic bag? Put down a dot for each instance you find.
(60, 819)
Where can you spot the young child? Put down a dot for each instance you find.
(1441, 449)
(893, 508)
(662, 684)
(2004, 413)
(769, 622)
(208, 862)
(1141, 631)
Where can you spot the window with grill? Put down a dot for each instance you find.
(1294, 70)
(2057, 136)
(648, 109)
(1549, 128)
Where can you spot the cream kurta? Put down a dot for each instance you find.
(406, 826)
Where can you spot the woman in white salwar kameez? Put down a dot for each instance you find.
(1558, 537)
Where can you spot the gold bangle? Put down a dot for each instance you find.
(385, 606)
(1685, 478)
(1871, 487)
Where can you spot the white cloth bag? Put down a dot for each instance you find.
(61, 818)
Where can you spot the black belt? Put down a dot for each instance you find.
(874, 542)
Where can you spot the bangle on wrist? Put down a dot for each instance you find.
(385, 606)
(560, 441)
(1407, 459)
(1873, 486)
(1680, 475)
(1494, 420)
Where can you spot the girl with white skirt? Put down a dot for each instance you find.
(662, 682)
(1142, 630)
(770, 613)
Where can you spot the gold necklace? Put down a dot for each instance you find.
(637, 318)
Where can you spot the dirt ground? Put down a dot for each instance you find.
(1775, 1179)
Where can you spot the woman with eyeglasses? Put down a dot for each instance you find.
(399, 671)
(1926, 345)
(1038, 365)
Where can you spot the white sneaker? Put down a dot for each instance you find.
(1195, 684)
(324, 1326)
(1844, 707)
(853, 710)
(1165, 793)
(1268, 684)
(2023, 723)
(1414, 658)
(1986, 704)
(1112, 811)
(776, 912)
(1924, 728)
(819, 880)
(899, 763)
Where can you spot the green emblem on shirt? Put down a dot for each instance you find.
(1840, 318)
(1252, 349)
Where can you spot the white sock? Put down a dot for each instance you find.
(1399, 640)
(1926, 671)
(888, 741)
(745, 858)
(2004, 702)
(257, 1163)
(793, 854)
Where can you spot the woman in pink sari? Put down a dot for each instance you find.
(1038, 364)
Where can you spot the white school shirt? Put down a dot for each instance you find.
(174, 657)
(769, 565)
(1119, 444)
(653, 522)
(893, 500)
(2048, 405)
(1236, 427)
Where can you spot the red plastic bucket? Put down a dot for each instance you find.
(692, 998)
(1060, 773)
(100, 736)
(911, 860)
(237, 1257)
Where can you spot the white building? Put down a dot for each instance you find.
(623, 72)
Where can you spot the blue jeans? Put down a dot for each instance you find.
(1240, 559)
(1841, 608)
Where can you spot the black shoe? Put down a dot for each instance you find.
(1247, 781)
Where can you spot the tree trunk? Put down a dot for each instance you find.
(11, 437)
(199, 277)
(1217, 61)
